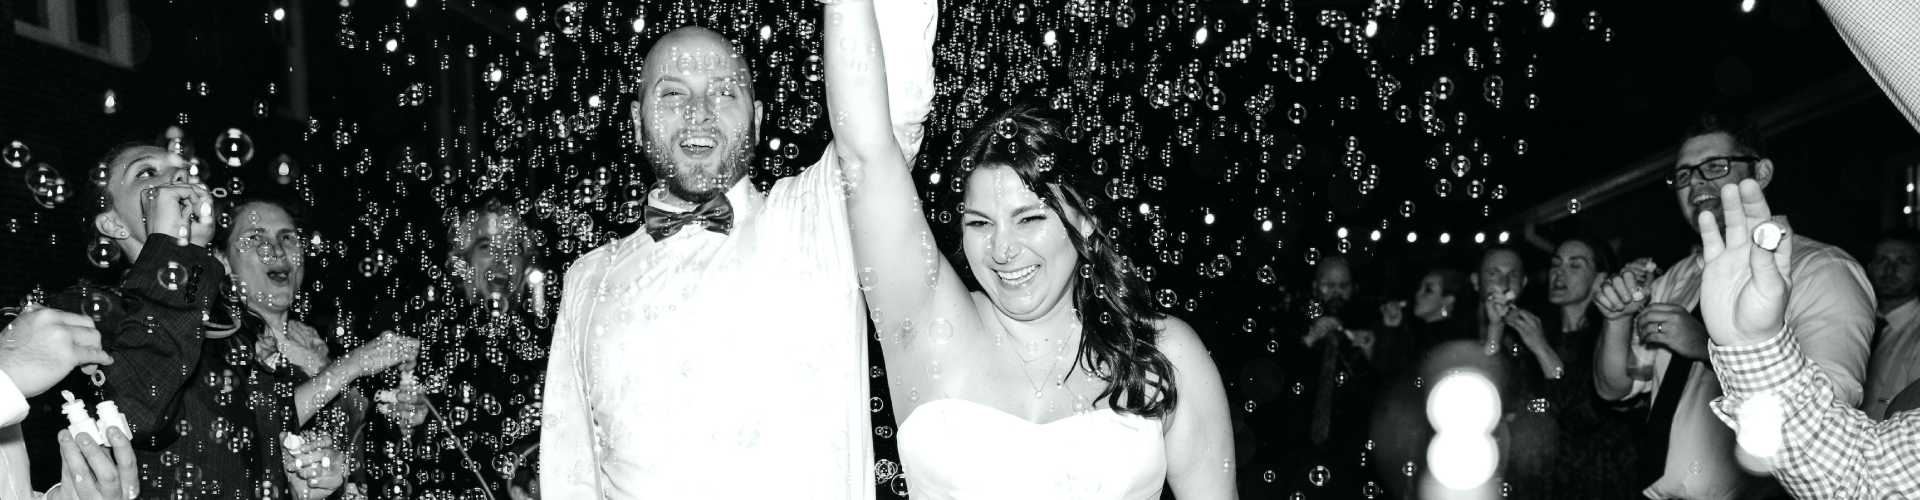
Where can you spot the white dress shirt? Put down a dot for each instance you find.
(708, 365)
(15, 477)
(13, 404)
(1830, 310)
(1896, 359)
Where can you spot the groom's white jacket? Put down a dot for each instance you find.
(706, 365)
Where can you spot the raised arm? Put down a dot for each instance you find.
(1783, 407)
(1200, 459)
(373, 357)
(901, 269)
(1827, 448)
(1613, 350)
(568, 466)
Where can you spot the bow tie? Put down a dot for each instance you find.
(716, 215)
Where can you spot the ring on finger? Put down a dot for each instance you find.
(1767, 235)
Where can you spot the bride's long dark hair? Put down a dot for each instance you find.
(1117, 338)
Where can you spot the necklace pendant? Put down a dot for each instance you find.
(1038, 394)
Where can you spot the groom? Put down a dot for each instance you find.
(720, 351)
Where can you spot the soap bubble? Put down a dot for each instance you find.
(102, 252)
(234, 147)
(16, 154)
(568, 18)
(171, 276)
(1319, 475)
(48, 187)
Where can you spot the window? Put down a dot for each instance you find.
(89, 22)
(30, 12)
(100, 29)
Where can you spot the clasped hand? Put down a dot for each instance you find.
(183, 210)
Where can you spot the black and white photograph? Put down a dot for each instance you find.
(959, 249)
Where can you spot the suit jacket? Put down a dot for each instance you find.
(206, 416)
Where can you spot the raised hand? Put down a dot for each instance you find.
(1528, 326)
(386, 351)
(181, 210)
(1622, 295)
(1743, 287)
(406, 404)
(1321, 328)
(43, 345)
(1392, 313)
(1363, 340)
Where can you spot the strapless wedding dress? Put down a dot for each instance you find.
(958, 449)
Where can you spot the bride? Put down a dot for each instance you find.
(1045, 372)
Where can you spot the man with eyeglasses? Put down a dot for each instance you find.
(1655, 345)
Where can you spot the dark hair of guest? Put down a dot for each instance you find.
(1117, 330)
(1454, 283)
(1744, 131)
(1603, 259)
(296, 212)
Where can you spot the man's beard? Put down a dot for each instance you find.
(694, 185)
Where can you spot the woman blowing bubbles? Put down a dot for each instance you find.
(1054, 351)
(264, 252)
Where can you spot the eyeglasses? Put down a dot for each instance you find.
(1708, 169)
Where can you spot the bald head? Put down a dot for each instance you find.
(1333, 282)
(696, 117)
(695, 50)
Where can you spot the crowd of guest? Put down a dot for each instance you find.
(226, 390)
(1604, 366)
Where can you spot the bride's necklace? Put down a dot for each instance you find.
(1035, 347)
(1038, 389)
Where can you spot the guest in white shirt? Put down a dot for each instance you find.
(728, 334)
(1895, 270)
(37, 350)
(1655, 347)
